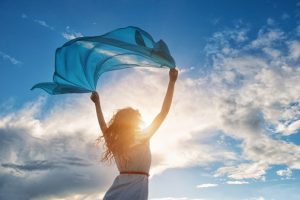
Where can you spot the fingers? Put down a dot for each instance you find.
(94, 96)
(173, 73)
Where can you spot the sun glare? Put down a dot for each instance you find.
(146, 121)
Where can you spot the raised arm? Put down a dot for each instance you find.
(173, 73)
(95, 98)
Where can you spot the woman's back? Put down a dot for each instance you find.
(130, 184)
(138, 157)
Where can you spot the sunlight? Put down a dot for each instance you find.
(146, 121)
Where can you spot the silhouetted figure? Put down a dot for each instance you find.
(129, 146)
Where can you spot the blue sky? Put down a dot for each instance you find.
(232, 132)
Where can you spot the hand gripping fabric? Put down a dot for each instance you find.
(80, 62)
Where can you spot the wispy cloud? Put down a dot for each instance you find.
(9, 58)
(43, 23)
(287, 173)
(38, 21)
(207, 185)
(256, 198)
(294, 49)
(70, 34)
(176, 198)
(254, 170)
(267, 37)
(38, 165)
(237, 182)
(34, 165)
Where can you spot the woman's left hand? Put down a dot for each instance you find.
(95, 97)
(173, 73)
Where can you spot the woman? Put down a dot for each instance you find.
(129, 146)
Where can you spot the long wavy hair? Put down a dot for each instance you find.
(120, 132)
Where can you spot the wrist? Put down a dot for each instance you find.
(96, 101)
(172, 81)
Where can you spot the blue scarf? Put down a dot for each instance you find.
(80, 62)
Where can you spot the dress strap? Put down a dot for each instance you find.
(134, 172)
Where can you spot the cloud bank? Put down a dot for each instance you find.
(254, 80)
(39, 161)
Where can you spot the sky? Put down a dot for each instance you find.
(233, 131)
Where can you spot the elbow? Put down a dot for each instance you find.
(165, 110)
(163, 114)
(103, 130)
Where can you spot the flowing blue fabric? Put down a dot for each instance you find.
(80, 62)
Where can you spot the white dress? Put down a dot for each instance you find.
(132, 186)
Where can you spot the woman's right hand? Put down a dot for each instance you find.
(95, 97)
(173, 73)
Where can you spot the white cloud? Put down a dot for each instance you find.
(11, 59)
(39, 159)
(220, 41)
(237, 182)
(274, 53)
(294, 49)
(257, 198)
(75, 197)
(176, 198)
(285, 172)
(70, 36)
(253, 91)
(267, 38)
(207, 185)
(288, 129)
(43, 23)
(243, 171)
